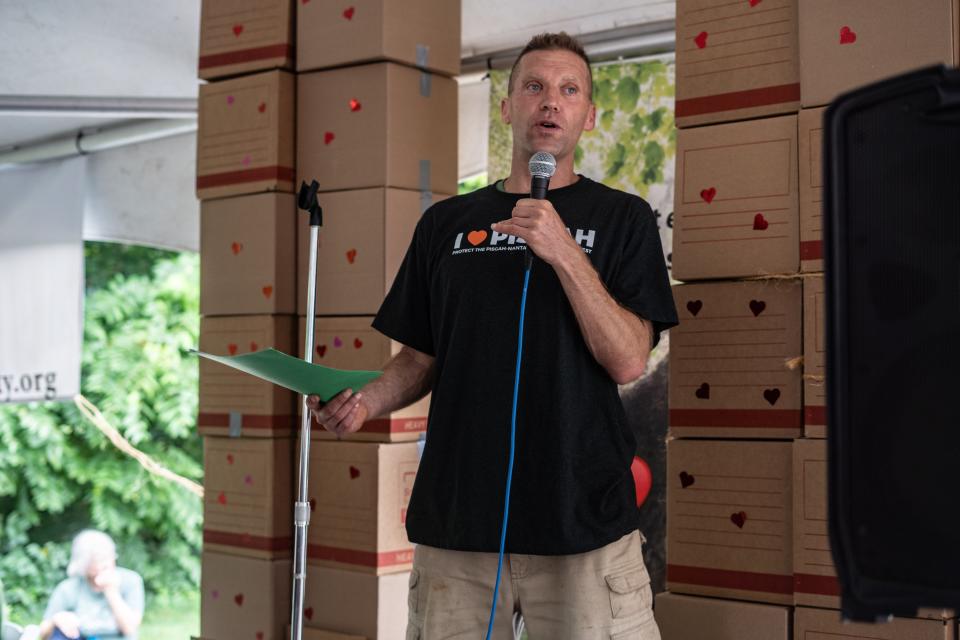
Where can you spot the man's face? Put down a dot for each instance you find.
(550, 105)
(98, 565)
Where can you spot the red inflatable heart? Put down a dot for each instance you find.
(642, 479)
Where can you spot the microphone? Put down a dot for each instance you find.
(542, 166)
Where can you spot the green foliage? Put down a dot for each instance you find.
(103, 260)
(472, 184)
(59, 474)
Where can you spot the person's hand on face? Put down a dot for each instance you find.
(103, 575)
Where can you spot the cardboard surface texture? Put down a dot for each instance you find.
(825, 624)
(363, 240)
(351, 343)
(370, 606)
(377, 125)
(234, 403)
(359, 493)
(241, 36)
(691, 618)
(814, 358)
(421, 33)
(735, 369)
(245, 135)
(736, 60)
(729, 513)
(735, 203)
(844, 45)
(248, 496)
(247, 263)
(244, 597)
(320, 634)
(810, 123)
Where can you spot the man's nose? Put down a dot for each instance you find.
(549, 100)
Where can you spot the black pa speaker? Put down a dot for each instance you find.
(892, 249)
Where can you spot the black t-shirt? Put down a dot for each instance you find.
(457, 298)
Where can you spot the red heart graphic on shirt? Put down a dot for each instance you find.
(760, 223)
(703, 392)
(229, 458)
(238, 599)
(694, 306)
(757, 307)
(476, 237)
(348, 13)
(771, 396)
(232, 348)
(308, 613)
(222, 498)
(267, 291)
(262, 107)
(321, 350)
(739, 518)
(355, 105)
(847, 35)
(253, 346)
(237, 29)
(236, 247)
(357, 343)
(686, 479)
(351, 255)
(708, 194)
(701, 39)
(354, 472)
(328, 137)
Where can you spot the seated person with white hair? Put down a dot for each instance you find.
(99, 599)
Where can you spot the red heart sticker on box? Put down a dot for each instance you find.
(694, 306)
(237, 29)
(757, 307)
(215, 594)
(771, 396)
(739, 518)
(760, 223)
(262, 108)
(754, 3)
(351, 255)
(337, 342)
(259, 635)
(232, 348)
(355, 105)
(267, 291)
(248, 479)
(686, 479)
(230, 99)
(357, 343)
(222, 498)
(847, 35)
(229, 458)
(313, 505)
(354, 472)
(253, 346)
(348, 13)
(703, 392)
(321, 350)
(701, 39)
(328, 137)
(708, 194)
(238, 599)
(308, 613)
(236, 247)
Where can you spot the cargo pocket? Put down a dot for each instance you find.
(413, 606)
(630, 592)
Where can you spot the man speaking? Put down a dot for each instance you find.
(598, 298)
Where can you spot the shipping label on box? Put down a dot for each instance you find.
(377, 125)
(248, 496)
(735, 205)
(736, 60)
(844, 45)
(247, 262)
(814, 358)
(729, 513)
(363, 241)
(421, 33)
(734, 370)
(245, 135)
(692, 618)
(369, 606)
(810, 122)
(360, 493)
(236, 404)
(243, 597)
(827, 624)
(241, 36)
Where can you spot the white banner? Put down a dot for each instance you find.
(41, 281)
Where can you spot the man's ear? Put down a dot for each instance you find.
(505, 110)
(591, 120)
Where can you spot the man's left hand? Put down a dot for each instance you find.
(107, 580)
(537, 222)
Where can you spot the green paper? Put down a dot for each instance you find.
(295, 374)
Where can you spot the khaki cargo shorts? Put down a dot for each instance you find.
(602, 594)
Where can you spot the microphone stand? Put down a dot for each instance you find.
(307, 200)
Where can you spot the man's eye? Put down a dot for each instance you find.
(570, 90)
(534, 86)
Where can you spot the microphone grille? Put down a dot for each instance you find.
(542, 164)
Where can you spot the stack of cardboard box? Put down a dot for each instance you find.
(747, 546)
(361, 98)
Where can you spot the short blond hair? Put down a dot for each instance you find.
(89, 545)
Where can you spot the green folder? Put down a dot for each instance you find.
(295, 374)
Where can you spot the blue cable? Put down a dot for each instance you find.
(513, 434)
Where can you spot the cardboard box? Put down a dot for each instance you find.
(234, 403)
(844, 45)
(729, 519)
(736, 205)
(370, 606)
(248, 496)
(420, 33)
(377, 125)
(814, 624)
(351, 343)
(736, 60)
(814, 358)
(245, 135)
(735, 370)
(241, 36)
(247, 263)
(810, 122)
(360, 492)
(691, 618)
(244, 597)
(363, 241)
